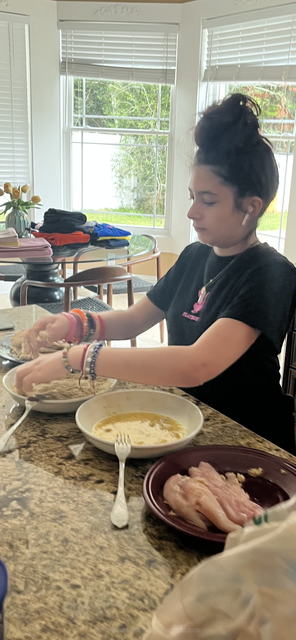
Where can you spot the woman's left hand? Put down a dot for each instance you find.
(44, 369)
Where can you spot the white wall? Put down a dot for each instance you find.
(44, 37)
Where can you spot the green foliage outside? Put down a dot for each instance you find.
(270, 221)
(125, 220)
(141, 158)
(277, 102)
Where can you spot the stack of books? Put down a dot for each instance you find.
(9, 238)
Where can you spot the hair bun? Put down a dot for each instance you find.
(229, 124)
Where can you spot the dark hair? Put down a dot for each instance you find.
(228, 140)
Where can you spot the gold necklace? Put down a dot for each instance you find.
(203, 291)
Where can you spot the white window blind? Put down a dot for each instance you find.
(14, 108)
(258, 50)
(112, 51)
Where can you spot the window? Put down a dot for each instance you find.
(118, 96)
(258, 57)
(14, 102)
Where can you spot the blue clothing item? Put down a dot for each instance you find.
(110, 243)
(106, 231)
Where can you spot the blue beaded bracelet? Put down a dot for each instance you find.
(90, 360)
(93, 360)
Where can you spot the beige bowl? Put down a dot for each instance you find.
(179, 408)
(48, 406)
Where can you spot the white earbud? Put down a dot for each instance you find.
(246, 217)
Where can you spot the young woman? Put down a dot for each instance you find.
(228, 300)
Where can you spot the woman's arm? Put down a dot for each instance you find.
(216, 350)
(123, 325)
(119, 325)
(189, 366)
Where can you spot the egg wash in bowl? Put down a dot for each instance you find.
(143, 428)
(170, 409)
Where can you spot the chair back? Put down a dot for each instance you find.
(97, 276)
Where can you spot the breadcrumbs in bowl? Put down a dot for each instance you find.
(66, 395)
(69, 388)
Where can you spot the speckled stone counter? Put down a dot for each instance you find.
(72, 575)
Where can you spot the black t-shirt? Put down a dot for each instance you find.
(257, 287)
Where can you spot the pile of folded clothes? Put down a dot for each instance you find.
(28, 248)
(9, 238)
(106, 235)
(63, 230)
(68, 231)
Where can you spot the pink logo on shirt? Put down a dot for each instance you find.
(197, 307)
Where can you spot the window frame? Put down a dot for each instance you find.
(204, 99)
(67, 85)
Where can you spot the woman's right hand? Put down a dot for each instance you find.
(47, 330)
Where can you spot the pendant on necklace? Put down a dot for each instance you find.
(202, 295)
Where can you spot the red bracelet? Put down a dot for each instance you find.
(82, 361)
(102, 330)
(71, 333)
(83, 356)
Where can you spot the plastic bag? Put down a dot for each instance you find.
(247, 592)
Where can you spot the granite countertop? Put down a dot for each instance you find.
(72, 575)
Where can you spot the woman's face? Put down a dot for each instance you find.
(216, 220)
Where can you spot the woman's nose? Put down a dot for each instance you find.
(194, 212)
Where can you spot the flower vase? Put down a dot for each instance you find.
(19, 221)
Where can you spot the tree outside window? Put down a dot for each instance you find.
(120, 135)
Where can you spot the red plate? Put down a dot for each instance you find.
(268, 489)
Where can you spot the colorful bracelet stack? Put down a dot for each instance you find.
(84, 326)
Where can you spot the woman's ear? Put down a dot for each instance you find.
(253, 207)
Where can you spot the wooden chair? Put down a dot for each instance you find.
(154, 254)
(97, 276)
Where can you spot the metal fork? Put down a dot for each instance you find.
(119, 513)
(30, 403)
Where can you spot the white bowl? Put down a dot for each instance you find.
(48, 406)
(99, 407)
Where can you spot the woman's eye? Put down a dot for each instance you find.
(210, 203)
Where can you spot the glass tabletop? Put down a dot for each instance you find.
(138, 245)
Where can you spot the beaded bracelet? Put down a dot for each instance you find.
(84, 320)
(90, 360)
(71, 333)
(93, 360)
(66, 362)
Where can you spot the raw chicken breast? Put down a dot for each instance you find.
(202, 499)
(229, 493)
(173, 494)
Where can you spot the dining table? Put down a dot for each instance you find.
(50, 268)
(72, 574)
